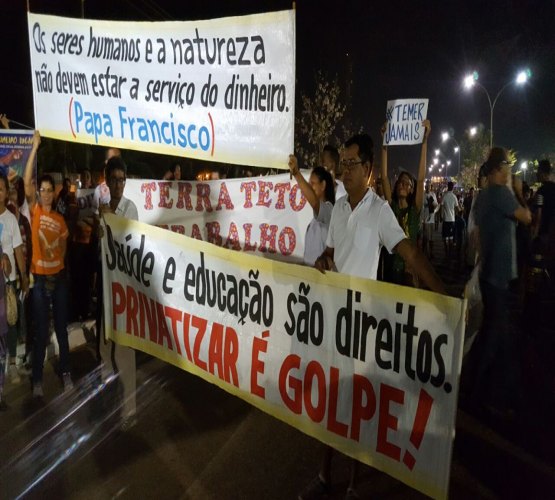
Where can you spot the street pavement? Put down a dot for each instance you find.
(192, 440)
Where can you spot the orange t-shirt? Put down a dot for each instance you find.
(48, 229)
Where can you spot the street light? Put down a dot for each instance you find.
(445, 136)
(524, 167)
(473, 131)
(472, 79)
(437, 151)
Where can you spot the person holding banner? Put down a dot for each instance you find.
(320, 193)
(116, 358)
(12, 245)
(49, 237)
(406, 202)
(361, 223)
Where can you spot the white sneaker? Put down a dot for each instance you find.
(68, 383)
(37, 390)
(13, 374)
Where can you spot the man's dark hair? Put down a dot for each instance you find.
(450, 186)
(114, 163)
(365, 147)
(333, 152)
(324, 175)
(544, 167)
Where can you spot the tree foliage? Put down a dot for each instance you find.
(474, 152)
(318, 120)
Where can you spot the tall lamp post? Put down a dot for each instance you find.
(445, 136)
(472, 79)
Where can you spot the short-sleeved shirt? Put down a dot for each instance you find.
(449, 203)
(48, 229)
(126, 208)
(10, 236)
(494, 210)
(358, 235)
(317, 233)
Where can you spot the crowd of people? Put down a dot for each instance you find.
(364, 229)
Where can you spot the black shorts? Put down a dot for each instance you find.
(448, 230)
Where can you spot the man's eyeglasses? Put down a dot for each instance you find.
(117, 180)
(350, 164)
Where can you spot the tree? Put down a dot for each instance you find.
(474, 152)
(320, 115)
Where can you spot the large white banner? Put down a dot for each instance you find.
(220, 90)
(367, 367)
(259, 215)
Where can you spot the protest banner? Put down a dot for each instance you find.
(262, 215)
(368, 367)
(404, 121)
(221, 90)
(15, 148)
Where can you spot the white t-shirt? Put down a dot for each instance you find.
(10, 236)
(126, 208)
(339, 189)
(430, 217)
(317, 233)
(449, 203)
(358, 235)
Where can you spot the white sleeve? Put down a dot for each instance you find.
(17, 241)
(330, 240)
(389, 230)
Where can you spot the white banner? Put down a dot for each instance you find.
(367, 367)
(221, 90)
(404, 121)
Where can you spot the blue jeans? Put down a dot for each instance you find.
(50, 289)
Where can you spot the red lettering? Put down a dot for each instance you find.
(175, 316)
(297, 207)
(280, 188)
(231, 354)
(200, 325)
(338, 428)
(249, 247)
(263, 193)
(147, 188)
(163, 333)
(224, 198)
(387, 421)
(195, 232)
(362, 389)
(131, 326)
(213, 233)
(315, 370)
(215, 353)
(257, 366)
(177, 228)
(203, 194)
(248, 187)
(184, 195)
(118, 302)
(164, 188)
(293, 361)
(267, 235)
(186, 342)
(233, 238)
(283, 248)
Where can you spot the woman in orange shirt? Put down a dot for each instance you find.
(49, 236)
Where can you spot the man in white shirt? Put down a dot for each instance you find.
(116, 358)
(450, 207)
(361, 223)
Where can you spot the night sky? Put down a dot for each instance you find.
(396, 49)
